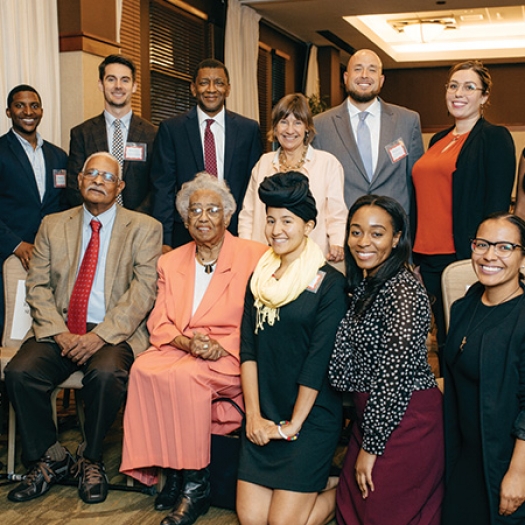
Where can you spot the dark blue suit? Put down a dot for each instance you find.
(178, 157)
(21, 209)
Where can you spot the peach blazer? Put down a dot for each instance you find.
(220, 312)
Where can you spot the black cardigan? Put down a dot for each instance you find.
(483, 180)
(501, 389)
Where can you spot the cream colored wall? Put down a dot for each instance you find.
(81, 98)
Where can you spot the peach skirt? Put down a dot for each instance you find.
(169, 416)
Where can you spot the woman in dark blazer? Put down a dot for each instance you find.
(484, 374)
(468, 170)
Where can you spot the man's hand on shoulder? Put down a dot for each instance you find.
(24, 252)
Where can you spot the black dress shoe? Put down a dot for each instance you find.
(194, 500)
(40, 478)
(92, 480)
(170, 492)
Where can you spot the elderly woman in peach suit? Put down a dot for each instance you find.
(194, 357)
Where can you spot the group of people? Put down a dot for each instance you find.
(265, 318)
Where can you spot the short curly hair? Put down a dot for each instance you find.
(205, 181)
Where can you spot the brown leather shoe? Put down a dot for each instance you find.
(92, 480)
(40, 478)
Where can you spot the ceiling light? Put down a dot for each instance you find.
(423, 30)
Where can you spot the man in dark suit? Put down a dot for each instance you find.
(117, 83)
(32, 179)
(90, 286)
(394, 135)
(180, 150)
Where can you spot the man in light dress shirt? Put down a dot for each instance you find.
(117, 81)
(32, 177)
(395, 135)
(179, 151)
(112, 331)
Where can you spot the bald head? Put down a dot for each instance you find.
(364, 78)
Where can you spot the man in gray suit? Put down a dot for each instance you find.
(91, 284)
(377, 143)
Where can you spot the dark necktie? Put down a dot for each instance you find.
(210, 154)
(364, 143)
(117, 150)
(78, 304)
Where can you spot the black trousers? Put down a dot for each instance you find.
(431, 268)
(34, 372)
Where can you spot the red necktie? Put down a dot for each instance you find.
(210, 155)
(78, 304)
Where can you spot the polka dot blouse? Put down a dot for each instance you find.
(383, 352)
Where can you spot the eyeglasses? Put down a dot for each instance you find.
(502, 249)
(211, 212)
(108, 177)
(469, 88)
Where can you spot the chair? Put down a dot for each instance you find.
(13, 273)
(455, 281)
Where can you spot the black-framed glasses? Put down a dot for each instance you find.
(106, 175)
(197, 211)
(502, 249)
(468, 87)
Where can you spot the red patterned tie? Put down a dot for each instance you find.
(78, 304)
(210, 156)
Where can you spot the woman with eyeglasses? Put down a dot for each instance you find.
(194, 358)
(466, 174)
(484, 370)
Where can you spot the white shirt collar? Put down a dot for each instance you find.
(219, 118)
(125, 120)
(374, 109)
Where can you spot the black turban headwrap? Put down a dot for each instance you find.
(289, 190)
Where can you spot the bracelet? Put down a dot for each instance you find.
(283, 435)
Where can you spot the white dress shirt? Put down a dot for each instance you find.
(219, 133)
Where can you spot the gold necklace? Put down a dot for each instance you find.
(284, 165)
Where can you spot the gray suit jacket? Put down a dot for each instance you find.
(129, 284)
(394, 179)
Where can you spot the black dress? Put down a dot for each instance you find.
(466, 496)
(295, 351)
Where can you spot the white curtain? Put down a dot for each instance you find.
(312, 74)
(29, 54)
(241, 51)
(119, 17)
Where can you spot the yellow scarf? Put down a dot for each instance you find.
(270, 294)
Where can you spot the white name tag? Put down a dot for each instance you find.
(396, 150)
(135, 151)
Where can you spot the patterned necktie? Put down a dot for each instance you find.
(117, 150)
(364, 143)
(210, 155)
(78, 304)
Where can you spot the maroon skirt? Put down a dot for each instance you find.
(408, 477)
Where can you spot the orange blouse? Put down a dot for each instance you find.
(432, 178)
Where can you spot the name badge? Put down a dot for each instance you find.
(316, 282)
(135, 151)
(59, 178)
(396, 150)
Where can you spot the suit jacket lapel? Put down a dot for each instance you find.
(118, 240)
(73, 236)
(194, 138)
(25, 165)
(184, 279)
(346, 134)
(230, 132)
(100, 133)
(386, 136)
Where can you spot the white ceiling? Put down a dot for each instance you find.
(476, 20)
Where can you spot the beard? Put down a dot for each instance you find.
(115, 104)
(363, 97)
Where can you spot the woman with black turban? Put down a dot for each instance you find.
(293, 306)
